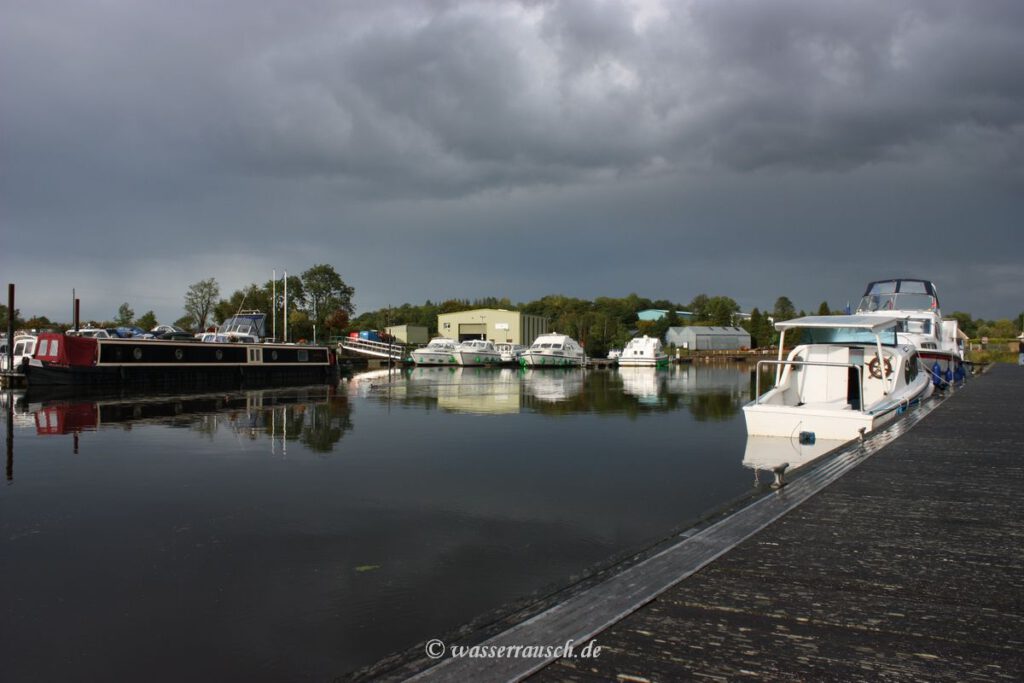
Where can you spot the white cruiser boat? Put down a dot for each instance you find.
(643, 351)
(24, 348)
(851, 375)
(916, 305)
(438, 351)
(477, 352)
(554, 350)
(510, 353)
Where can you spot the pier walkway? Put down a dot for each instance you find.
(898, 558)
(910, 567)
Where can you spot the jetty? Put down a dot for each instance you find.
(898, 557)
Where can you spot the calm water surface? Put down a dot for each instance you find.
(303, 533)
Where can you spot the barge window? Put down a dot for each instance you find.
(303, 355)
(43, 346)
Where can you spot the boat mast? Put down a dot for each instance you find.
(286, 307)
(273, 298)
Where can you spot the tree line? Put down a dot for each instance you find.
(319, 296)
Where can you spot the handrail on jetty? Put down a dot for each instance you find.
(376, 349)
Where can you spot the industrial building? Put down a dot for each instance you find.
(698, 338)
(409, 334)
(494, 324)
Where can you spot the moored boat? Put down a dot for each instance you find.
(644, 351)
(915, 303)
(438, 351)
(851, 375)
(83, 361)
(510, 353)
(24, 345)
(477, 352)
(554, 350)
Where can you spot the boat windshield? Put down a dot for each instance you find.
(245, 323)
(845, 335)
(898, 302)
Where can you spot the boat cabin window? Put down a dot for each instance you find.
(915, 326)
(845, 335)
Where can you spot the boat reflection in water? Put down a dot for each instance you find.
(646, 383)
(709, 392)
(315, 415)
(769, 453)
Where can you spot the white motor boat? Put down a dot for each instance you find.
(851, 375)
(438, 351)
(477, 352)
(916, 304)
(644, 350)
(554, 350)
(24, 348)
(510, 353)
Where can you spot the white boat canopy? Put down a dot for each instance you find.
(862, 322)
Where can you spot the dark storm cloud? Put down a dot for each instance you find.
(204, 138)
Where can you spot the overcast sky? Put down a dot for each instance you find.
(430, 150)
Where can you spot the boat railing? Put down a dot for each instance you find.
(858, 368)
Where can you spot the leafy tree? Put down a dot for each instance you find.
(253, 297)
(823, 309)
(38, 322)
(18, 322)
(325, 292)
(186, 322)
(125, 315)
(699, 307)
(199, 301)
(147, 321)
(784, 309)
(337, 322)
(720, 311)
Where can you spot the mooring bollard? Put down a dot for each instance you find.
(779, 471)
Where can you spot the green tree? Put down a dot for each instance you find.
(720, 311)
(18, 322)
(325, 292)
(125, 315)
(253, 297)
(699, 307)
(823, 309)
(200, 299)
(186, 322)
(784, 309)
(147, 321)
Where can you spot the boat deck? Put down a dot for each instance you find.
(909, 567)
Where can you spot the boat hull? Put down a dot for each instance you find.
(178, 377)
(833, 422)
(468, 358)
(434, 358)
(643, 362)
(532, 359)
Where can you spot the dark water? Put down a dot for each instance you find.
(303, 533)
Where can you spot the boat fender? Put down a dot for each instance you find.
(936, 373)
